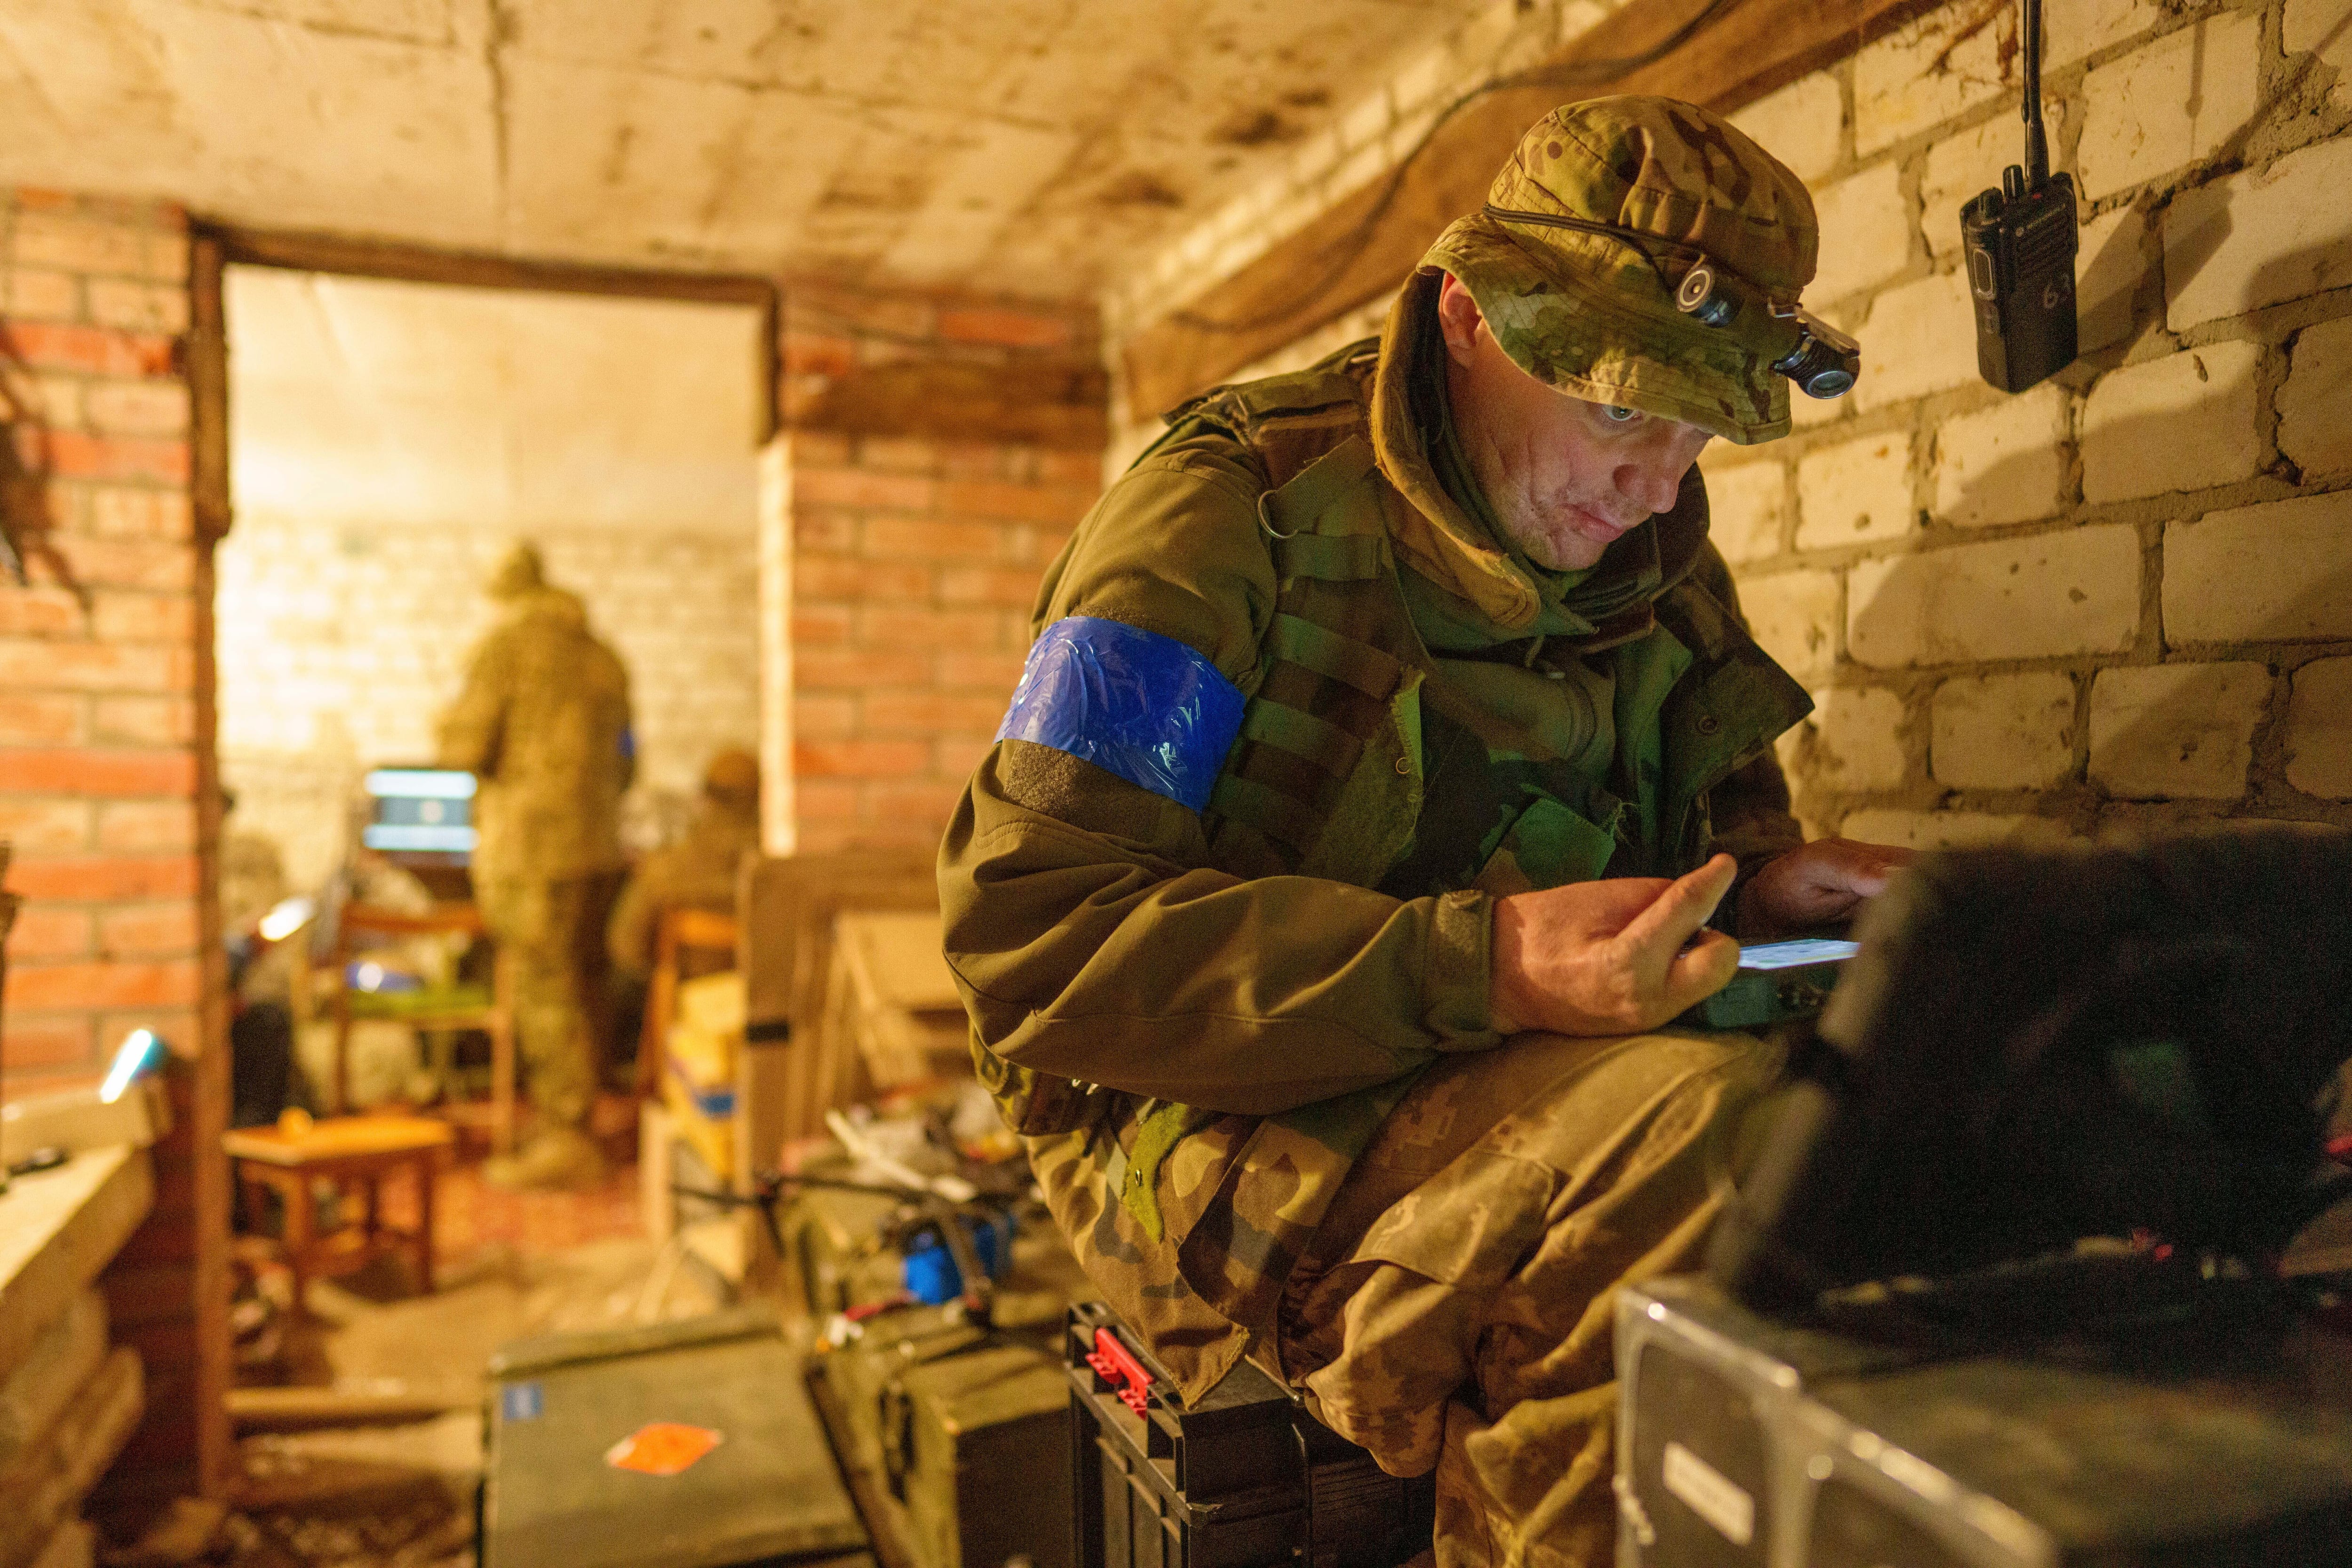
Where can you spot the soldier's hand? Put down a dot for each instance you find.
(1820, 882)
(1610, 957)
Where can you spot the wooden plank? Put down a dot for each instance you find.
(207, 348)
(46, 1484)
(788, 904)
(209, 1089)
(303, 1409)
(422, 263)
(57, 1229)
(335, 1139)
(37, 1393)
(1350, 255)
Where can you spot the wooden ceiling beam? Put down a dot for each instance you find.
(1344, 257)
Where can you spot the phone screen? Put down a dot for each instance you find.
(1797, 953)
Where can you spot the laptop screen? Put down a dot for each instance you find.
(427, 811)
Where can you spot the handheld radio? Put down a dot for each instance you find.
(2020, 242)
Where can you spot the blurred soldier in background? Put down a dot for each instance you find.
(696, 873)
(543, 721)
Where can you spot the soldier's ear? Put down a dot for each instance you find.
(1458, 317)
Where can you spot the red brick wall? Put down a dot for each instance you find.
(97, 667)
(105, 739)
(937, 452)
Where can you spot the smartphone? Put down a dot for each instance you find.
(1776, 980)
(1803, 951)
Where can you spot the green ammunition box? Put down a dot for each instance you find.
(957, 1436)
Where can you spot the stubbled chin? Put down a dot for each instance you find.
(1540, 530)
(1565, 549)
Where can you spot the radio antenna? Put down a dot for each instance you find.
(2037, 139)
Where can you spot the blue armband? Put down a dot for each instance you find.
(1132, 703)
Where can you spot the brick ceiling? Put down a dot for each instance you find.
(1026, 146)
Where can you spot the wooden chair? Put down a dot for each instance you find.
(449, 1009)
(681, 933)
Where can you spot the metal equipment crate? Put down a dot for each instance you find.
(1241, 1478)
(1749, 1443)
(561, 1408)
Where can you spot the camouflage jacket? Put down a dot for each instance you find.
(697, 872)
(1254, 986)
(543, 721)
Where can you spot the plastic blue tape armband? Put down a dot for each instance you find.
(1132, 703)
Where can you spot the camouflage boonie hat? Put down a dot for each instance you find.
(1592, 312)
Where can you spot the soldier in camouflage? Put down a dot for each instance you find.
(1391, 766)
(697, 872)
(543, 722)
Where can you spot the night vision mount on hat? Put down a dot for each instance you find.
(1641, 251)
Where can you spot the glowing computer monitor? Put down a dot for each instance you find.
(423, 813)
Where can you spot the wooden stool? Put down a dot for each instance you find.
(344, 1150)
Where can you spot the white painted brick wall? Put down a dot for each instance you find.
(2006, 463)
(1948, 829)
(2176, 731)
(1918, 337)
(2185, 421)
(1802, 124)
(339, 650)
(2158, 108)
(2003, 732)
(2111, 267)
(1855, 745)
(2049, 596)
(2074, 28)
(2319, 730)
(1959, 167)
(2320, 25)
(2275, 572)
(1748, 506)
(2314, 406)
(1922, 75)
(1794, 615)
(2254, 239)
(1855, 492)
(1871, 219)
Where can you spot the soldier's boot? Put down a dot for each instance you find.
(559, 1158)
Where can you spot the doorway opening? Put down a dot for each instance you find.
(392, 426)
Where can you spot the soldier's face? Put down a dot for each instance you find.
(1566, 478)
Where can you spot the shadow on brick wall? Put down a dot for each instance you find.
(26, 468)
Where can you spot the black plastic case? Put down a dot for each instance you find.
(1242, 1478)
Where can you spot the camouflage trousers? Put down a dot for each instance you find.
(1452, 1308)
(551, 935)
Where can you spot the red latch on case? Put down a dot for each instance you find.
(1115, 1363)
